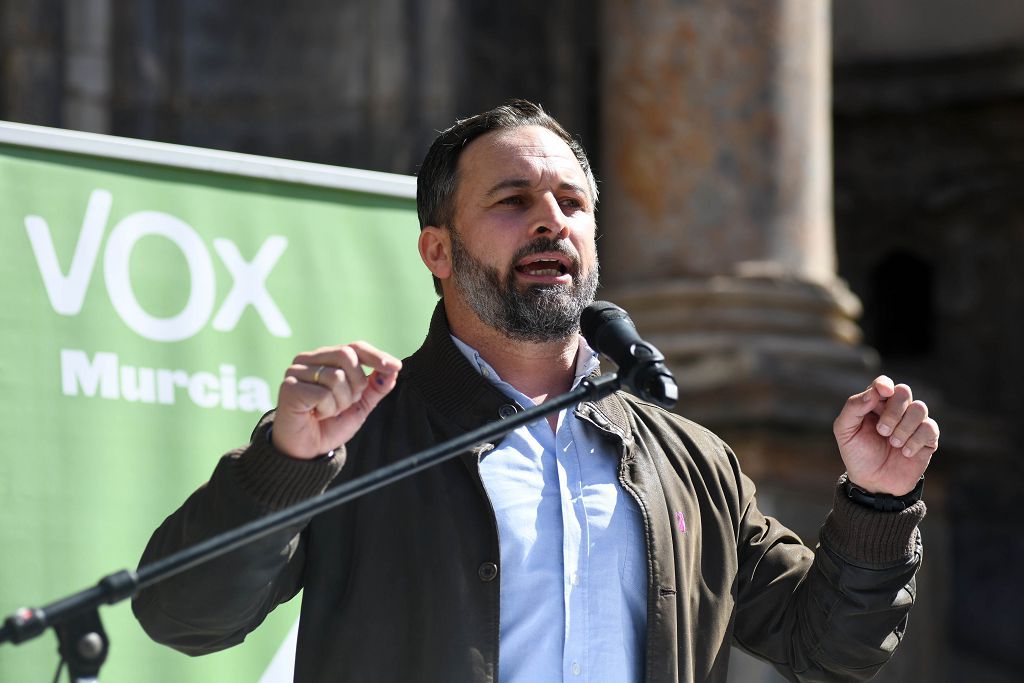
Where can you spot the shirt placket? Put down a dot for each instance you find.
(574, 552)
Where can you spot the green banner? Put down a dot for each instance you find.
(150, 311)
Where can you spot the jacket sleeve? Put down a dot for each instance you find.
(844, 610)
(215, 605)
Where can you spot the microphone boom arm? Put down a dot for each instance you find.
(76, 616)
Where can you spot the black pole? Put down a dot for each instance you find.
(27, 623)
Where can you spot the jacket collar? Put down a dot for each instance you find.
(449, 382)
(452, 386)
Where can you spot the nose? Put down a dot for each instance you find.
(548, 220)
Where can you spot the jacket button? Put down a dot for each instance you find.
(507, 411)
(487, 571)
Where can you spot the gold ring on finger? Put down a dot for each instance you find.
(316, 375)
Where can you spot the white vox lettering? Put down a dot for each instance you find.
(122, 240)
(250, 286)
(67, 292)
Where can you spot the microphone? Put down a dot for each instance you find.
(610, 332)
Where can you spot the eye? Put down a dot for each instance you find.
(572, 203)
(512, 200)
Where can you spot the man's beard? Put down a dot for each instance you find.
(538, 313)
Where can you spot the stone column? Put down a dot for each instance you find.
(718, 239)
(717, 226)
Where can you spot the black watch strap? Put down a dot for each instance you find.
(884, 502)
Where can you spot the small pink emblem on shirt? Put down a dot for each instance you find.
(681, 522)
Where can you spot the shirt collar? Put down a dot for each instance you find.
(586, 364)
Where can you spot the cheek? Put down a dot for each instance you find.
(494, 253)
(591, 262)
(587, 246)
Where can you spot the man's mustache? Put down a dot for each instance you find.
(542, 245)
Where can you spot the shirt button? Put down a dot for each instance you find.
(487, 571)
(507, 411)
(575, 668)
(575, 579)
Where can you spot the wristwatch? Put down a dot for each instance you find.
(884, 502)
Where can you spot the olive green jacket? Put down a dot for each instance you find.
(400, 585)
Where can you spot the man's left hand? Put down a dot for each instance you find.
(886, 438)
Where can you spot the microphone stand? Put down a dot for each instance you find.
(84, 645)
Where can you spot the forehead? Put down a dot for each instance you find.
(531, 152)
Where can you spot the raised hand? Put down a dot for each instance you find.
(326, 396)
(886, 438)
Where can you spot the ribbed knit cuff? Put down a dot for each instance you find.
(871, 538)
(277, 480)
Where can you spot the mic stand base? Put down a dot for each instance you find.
(83, 645)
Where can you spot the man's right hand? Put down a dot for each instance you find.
(326, 396)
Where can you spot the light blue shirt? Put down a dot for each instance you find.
(573, 569)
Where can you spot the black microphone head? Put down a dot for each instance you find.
(594, 318)
(641, 368)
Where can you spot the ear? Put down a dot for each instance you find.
(436, 251)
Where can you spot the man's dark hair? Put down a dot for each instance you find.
(438, 177)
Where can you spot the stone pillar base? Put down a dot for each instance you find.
(754, 351)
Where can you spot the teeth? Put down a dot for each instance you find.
(543, 268)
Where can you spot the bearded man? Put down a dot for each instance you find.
(614, 541)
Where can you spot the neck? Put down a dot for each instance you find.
(537, 369)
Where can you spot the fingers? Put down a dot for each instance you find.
(923, 441)
(895, 408)
(907, 424)
(323, 390)
(351, 356)
(331, 379)
(343, 378)
(903, 421)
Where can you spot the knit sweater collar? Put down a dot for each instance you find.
(452, 386)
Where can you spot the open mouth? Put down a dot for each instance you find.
(543, 268)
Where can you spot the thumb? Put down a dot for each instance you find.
(339, 429)
(858, 406)
(379, 384)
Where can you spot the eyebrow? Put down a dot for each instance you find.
(520, 183)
